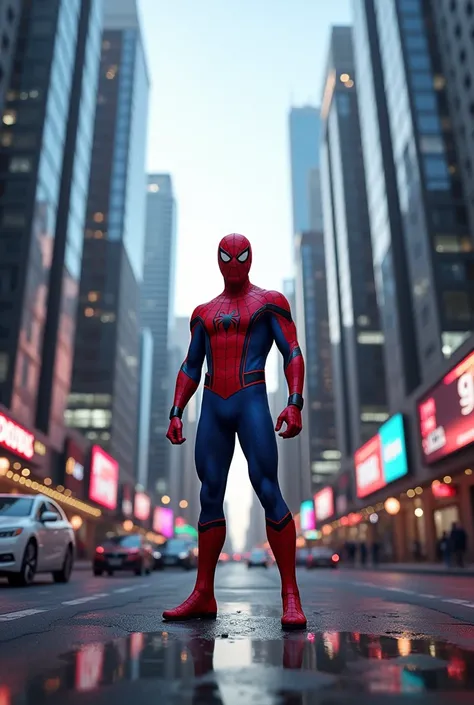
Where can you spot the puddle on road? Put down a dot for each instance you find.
(224, 671)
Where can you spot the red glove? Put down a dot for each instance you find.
(175, 431)
(292, 417)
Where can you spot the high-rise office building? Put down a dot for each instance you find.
(455, 24)
(144, 405)
(304, 126)
(157, 314)
(45, 154)
(10, 11)
(312, 313)
(357, 342)
(423, 253)
(105, 390)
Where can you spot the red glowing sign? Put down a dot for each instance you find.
(324, 504)
(163, 522)
(369, 467)
(443, 491)
(142, 506)
(103, 487)
(15, 438)
(446, 414)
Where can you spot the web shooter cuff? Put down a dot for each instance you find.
(296, 400)
(175, 412)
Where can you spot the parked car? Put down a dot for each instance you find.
(258, 559)
(301, 556)
(130, 552)
(322, 557)
(177, 553)
(35, 537)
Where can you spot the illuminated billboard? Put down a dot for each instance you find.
(104, 477)
(307, 517)
(163, 522)
(324, 504)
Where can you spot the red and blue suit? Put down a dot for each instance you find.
(234, 333)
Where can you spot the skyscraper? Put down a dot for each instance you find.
(423, 253)
(144, 405)
(455, 26)
(157, 314)
(45, 153)
(304, 125)
(356, 339)
(105, 390)
(10, 11)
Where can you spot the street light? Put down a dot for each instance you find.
(183, 504)
(392, 506)
(165, 499)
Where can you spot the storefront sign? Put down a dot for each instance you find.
(324, 504)
(446, 414)
(383, 459)
(74, 469)
(163, 522)
(442, 491)
(142, 506)
(16, 439)
(307, 517)
(104, 477)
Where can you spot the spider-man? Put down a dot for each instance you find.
(235, 332)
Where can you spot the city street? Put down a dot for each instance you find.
(368, 632)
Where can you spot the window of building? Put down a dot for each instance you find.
(107, 317)
(419, 62)
(429, 124)
(13, 219)
(370, 338)
(4, 366)
(435, 167)
(426, 102)
(431, 144)
(456, 306)
(20, 165)
(451, 341)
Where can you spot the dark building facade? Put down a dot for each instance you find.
(157, 314)
(45, 152)
(10, 11)
(356, 339)
(423, 252)
(455, 26)
(323, 450)
(104, 397)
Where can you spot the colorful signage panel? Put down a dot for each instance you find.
(324, 504)
(307, 516)
(103, 487)
(74, 469)
(446, 414)
(142, 506)
(16, 438)
(383, 459)
(163, 522)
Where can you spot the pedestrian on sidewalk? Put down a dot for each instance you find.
(458, 544)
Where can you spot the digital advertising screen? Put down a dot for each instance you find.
(446, 413)
(163, 522)
(324, 504)
(307, 516)
(104, 476)
(383, 459)
(142, 506)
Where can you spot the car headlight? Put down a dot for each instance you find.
(10, 533)
(156, 554)
(182, 555)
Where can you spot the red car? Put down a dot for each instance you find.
(131, 552)
(322, 557)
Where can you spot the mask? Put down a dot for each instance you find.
(235, 259)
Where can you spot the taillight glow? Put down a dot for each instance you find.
(134, 551)
(335, 558)
(99, 549)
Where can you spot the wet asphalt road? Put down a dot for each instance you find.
(369, 635)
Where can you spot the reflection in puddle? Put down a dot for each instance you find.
(203, 671)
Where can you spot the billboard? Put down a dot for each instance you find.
(163, 522)
(383, 459)
(16, 438)
(446, 413)
(142, 506)
(307, 517)
(324, 504)
(103, 487)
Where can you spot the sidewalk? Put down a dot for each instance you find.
(417, 568)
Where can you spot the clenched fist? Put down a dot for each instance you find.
(175, 431)
(292, 417)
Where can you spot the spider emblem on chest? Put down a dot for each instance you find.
(226, 320)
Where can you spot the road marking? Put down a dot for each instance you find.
(428, 597)
(18, 615)
(125, 589)
(405, 592)
(457, 602)
(83, 600)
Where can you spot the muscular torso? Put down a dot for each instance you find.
(239, 337)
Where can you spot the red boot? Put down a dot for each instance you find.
(282, 539)
(201, 604)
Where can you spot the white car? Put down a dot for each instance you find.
(35, 537)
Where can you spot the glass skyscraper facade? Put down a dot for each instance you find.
(40, 181)
(407, 125)
(10, 11)
(356, 338)
(304, 124)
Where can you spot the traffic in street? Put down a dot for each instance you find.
(368, 632)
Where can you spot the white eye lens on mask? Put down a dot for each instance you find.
(224, 256)
(243, 256)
